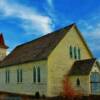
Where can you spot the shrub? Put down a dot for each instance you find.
(68, 91)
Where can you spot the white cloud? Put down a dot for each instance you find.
(28, 16)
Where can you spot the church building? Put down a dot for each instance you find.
(39, 66)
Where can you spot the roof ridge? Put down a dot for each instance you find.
(54, 32)
(86, 59)
(82, 67)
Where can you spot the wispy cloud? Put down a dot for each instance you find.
(50, 2)
(31, 19)
(91, 30)
(52, 12)
(50, 9)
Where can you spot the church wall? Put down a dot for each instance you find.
(59, 61)
(28, 86)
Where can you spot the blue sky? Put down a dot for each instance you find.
(25, 20)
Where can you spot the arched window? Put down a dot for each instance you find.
(19, 75)
(7, 74)
(75, 54)
(34, 74)
(38, 74)
(70, 51)
(78, 82)
(79, 53)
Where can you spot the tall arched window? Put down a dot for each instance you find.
(79, 53)
(38, 74)
(34, 74)
(19, 75)
(70, 52)
(7, 74)
(75, 53)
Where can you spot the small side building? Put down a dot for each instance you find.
(85, 77)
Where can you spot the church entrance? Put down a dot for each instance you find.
(95, 83)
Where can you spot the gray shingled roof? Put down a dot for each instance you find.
(82, 67)
(35, 50)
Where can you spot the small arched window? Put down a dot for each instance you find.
(78, 82)
(39, 74)
(71, 52)
(34, 74)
